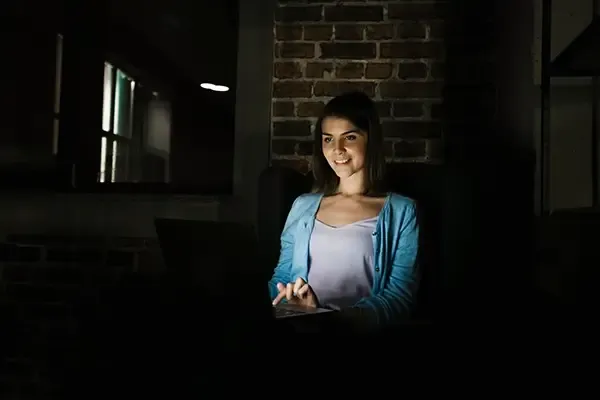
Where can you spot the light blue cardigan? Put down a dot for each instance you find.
(395, 244)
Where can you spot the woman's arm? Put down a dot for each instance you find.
(284, 265)
(395, 302)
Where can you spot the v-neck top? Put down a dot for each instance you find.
(395, 247)
(341, 260)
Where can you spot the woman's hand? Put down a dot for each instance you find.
(299, 293)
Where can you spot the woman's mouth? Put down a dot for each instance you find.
(340, 162)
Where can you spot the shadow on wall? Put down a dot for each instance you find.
(497, 172)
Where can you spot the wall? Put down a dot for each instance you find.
(252, 116)
(391, 50)
(570, 111)
(564, 252)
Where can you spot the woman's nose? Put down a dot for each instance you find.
(339, 147)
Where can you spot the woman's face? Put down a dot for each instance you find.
(344, 146)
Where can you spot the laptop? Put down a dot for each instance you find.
(222, 260)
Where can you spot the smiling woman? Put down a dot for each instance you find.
(350, 245)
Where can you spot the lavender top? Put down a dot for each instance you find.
(340, 269)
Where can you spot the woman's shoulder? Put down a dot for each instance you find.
(306, 202)
(400, 201)
(307, 198)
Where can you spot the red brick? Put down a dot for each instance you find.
(412, 50)
(350, 70)
(298, 14)
(405, 90)
(283, 109)
(412, 129)
(305, 148)
(353, 13)
(384, 108)
(287, 70)
(349, 32)
(310, 109)
(296, 50)
(418, 11)
(411, 30)
(437, 30)
(407, 71)
(288, 32)
(291, 128)
(410, 149)
(318, 69)
(379, 32)
(291, 89)
(284, 147)
(318, 32)
(379, 71)
(355, 51)
(331, 89)
(408, 109)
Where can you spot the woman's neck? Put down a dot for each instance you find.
(352, 186)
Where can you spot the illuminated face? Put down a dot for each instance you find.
(344, 146)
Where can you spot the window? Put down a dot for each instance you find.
(132, 122)
(136, 131)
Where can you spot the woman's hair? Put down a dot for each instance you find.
(360, 111)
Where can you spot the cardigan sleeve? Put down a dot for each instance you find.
(284, 265)
(395, 301)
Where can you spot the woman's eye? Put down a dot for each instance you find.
(351, 137)
(327, 140)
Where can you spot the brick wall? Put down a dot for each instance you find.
(391, 50)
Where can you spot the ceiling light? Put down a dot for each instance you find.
(213, 87)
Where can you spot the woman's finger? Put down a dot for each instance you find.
(289, 291)
(279, 297)
(303, 291)
(298, 284)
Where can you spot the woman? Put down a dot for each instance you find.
(349, 245)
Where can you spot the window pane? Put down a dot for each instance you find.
(123, 105)
(103, 159)
(119, 162)
(107, 97)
